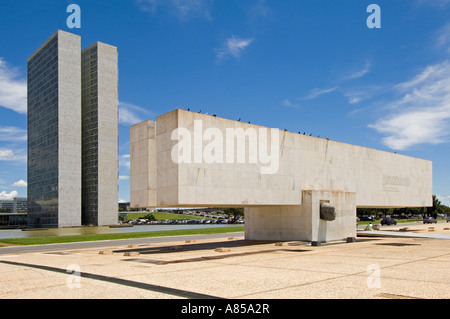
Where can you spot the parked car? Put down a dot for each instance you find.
(388, 221)
(429, 220)
(367, 218)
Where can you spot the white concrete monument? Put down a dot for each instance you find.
(293, 186)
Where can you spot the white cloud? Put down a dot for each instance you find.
(130, 114)
(6, 154)
(20, 183)
(443, 37)
(358, 94)
(124, 160)
(123, 177)
(233, 47)
(288, 103)
(8, 196)
(9, 155)
(315, 93)
(182, 9)
(358, 73)
(354, 99)
(445, 200)
(12, 134)
(414, 127)
(422, 114)
(121, 200)
(13, 91)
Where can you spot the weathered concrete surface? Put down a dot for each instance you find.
(303, 222)
(186, 159)
(367, 269)
(215, 176)
(143, 164)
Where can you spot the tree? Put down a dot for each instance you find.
(234, 211)
(445, 209)
(149, 217)
(436, 208)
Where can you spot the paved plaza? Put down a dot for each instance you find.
(381, 267)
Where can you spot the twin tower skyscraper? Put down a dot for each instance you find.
(72, 133)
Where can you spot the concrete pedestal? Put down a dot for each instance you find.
(303, 222)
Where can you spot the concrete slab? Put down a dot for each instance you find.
(437, 231)
(370, 268)
(375, 233)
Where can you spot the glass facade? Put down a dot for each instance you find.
(63, 134)
(12, 221)
(89, 136)
(6, 206)
(43, 137)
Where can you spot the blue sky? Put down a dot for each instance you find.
(303, 65)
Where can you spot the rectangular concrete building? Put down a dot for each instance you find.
(100, 131)
(54, 133)
(283, 179)
(143, 164)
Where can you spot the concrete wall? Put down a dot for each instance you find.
(280, 177)
(143, 165)
(379, 179)
(69, 126)
(108, 134)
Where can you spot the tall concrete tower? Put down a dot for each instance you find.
(100, 134)
(54, 133)
(72, 133)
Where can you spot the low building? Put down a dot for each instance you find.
(124, 207)
(6, 206)
(19, 204)
(13, 220)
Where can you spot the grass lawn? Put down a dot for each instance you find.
(98, 237)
